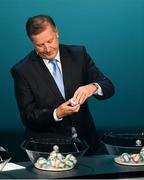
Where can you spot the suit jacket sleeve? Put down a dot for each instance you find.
(93, 74)
(32, 116)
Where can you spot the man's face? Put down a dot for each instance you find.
(46, 43)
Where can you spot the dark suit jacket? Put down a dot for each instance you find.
(37, 94)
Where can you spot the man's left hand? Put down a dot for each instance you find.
(83, 92)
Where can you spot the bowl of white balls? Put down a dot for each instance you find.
(53, 154)
(127, 148)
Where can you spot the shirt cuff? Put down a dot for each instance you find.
(99, 90)
(55, 116)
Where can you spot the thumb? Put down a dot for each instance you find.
(67, 102)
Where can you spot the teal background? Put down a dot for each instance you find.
(113, 33)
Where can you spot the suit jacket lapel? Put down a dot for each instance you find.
(47, 77)
(66, 69)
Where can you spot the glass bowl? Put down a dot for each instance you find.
(5, 157)
(41, 148)
(126, 147)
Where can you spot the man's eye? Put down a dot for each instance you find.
(50, 41)
(39, 45)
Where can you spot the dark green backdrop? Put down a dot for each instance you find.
(112, 31)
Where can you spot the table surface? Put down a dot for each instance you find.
(100, 166)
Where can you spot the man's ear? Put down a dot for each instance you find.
(57, 33)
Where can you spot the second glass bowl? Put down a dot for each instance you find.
(126, 147)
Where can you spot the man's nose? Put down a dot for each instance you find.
(47, 47)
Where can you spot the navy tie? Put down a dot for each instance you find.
(57, 75)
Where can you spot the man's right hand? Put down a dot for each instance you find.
(66, 109)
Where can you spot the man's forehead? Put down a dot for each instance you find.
(43, 36)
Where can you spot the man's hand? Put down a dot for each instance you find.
(66, 109)
(80, 95)
(83, 92)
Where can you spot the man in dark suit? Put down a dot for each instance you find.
(45, 112)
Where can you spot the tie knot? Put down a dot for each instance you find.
(53, 61)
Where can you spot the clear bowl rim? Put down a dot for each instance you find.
(4, 160)
(111, 138)
(24, 145)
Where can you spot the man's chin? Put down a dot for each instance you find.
(48, 56)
